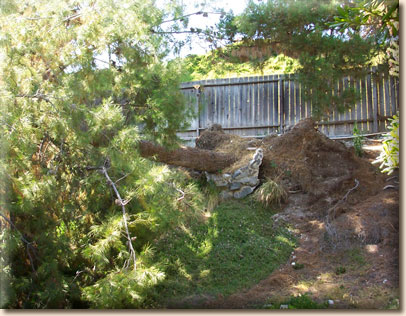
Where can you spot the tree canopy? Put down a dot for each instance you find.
(79, 81)
(329, 39)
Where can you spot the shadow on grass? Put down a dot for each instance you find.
(234, 248)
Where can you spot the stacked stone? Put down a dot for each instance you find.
(242, 182)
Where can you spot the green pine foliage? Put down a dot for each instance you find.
(312, 32)
(80, 82)
(219, 64)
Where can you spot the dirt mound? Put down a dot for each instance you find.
(307, 160)
(216, 140)
(302, 160)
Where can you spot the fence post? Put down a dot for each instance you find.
(281, 101)
(374, 101)
(197, 90)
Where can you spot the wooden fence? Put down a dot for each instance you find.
(258, 106)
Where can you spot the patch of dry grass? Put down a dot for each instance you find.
(271, 193)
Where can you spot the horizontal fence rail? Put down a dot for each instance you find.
(260, 105)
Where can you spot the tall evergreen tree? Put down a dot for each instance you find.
(310, 31)
(79, 79)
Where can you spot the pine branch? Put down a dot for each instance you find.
(24, 240)
(38, 96)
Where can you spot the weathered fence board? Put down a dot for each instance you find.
(257, 106)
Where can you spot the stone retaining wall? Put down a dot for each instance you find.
(241, 182)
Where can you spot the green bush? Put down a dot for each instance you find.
(389, 157)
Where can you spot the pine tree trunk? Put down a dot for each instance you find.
(188, 157)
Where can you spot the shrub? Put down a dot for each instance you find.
(389, 157)
(358, 138)
(271, 193)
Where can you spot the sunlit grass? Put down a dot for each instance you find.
(234, 248)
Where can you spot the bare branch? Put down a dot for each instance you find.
(180, 191)
(350, 190)
(175, 32)
(38, 96)
(331, 213)
(190, 14)
(123, 177)
(122, 203)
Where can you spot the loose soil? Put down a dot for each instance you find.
(344, 212)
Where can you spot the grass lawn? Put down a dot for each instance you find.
(234, 248)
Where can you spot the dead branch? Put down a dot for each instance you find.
(190, 14)
(389, 186)
(123, 177)
(331, 212)
(350, 190)
(122, 203)
(332, 209)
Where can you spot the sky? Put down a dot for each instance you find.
(199, 46)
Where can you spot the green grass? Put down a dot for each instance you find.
(340, 270)
(356, 256)
(235, 248)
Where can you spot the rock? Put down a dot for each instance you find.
(255, 164)
(284, 306)
(224, 195)
(234, 186)
(259, 154)
(243, 192)
(241, 173)
(251, 181)
(219, 180)
(244, 179)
